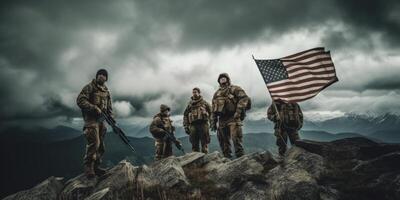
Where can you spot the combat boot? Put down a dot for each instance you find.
(204, 149)
(239, 155)
(228, 155)
(282, 151)
(99, 171)
(89, 172)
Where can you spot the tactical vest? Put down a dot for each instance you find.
(99, 97)
(167, 123)
(224, 102)
(197, 112)
(289, 114)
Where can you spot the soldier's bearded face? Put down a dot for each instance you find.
(195, 93)
(165, 113)
(101, 79)
(223, 80)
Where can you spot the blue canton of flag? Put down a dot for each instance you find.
(272, 70)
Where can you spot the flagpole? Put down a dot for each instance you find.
(276, 109)
(279, 120)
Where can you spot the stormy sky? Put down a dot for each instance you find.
(157, 51)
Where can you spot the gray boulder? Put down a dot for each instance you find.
(47, 190)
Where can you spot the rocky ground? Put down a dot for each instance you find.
(354, 168)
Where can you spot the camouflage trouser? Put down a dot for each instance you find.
(199, 133)
(95, 143)
(225, 134)
(163, 149)
(282, 139)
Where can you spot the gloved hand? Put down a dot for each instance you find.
(187, 130)
(236, 115)
(300, 126)
(213, 127)
(97, 110)
(164, 136)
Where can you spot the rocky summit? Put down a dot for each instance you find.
(352, 168)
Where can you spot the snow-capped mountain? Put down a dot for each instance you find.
(364, 124)
(358, 123)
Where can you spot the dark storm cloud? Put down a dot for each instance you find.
(55, 107)
(216, 23)
(35, 36)
(42, 29)
(219, 23)
(376, 16)
(385, 83)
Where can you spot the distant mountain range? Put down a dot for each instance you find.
(383, 127)
(363, 124)
(38, 134)
(386, 125)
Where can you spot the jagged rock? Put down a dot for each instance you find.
(359, 168)
(78, 188)
(193, 159)
(354, 168)
(103, 194)
(255, 164)
(216, 175)
(386, 163)
(119, 181)
(250, 190)
(349, 148)
(167, 173)
(377, 176)
(48, 189)
(296, 177)
(200, 160)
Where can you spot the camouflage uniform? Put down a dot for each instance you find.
(229, 105)
(93, 95)
(195, 120)
(291, 121)
(158, 126)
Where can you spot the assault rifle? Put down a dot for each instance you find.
(117, 130)
(171, 137)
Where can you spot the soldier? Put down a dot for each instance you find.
(93, 99)
(195, 121)
(229, 105)
(288, 121)
(159, 126)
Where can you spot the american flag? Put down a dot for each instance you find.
(299, 76)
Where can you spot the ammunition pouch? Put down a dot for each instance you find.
(224, 105)
(197, 114)
(243, 115)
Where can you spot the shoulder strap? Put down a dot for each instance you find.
(296, 109)
(189, 106)
(162, 121)
(92, 91)
(232, 89)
